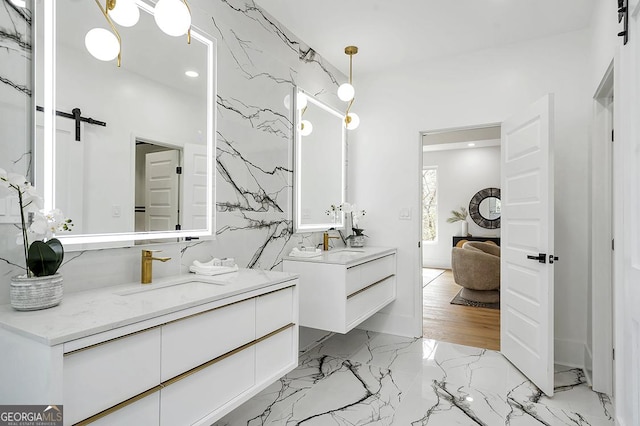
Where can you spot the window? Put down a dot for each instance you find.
(429, 204)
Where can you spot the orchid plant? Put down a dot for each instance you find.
(354, 215)
(44, 255)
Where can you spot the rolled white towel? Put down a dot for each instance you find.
(210, 264)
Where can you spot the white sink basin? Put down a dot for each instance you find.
(183, 284)
(345, 252)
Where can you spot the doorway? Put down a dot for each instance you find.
(599, 363)
(457, 164)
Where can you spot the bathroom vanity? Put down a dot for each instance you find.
(341, 288)
(179, 351)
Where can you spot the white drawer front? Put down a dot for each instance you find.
(188, 400)
(145, 412)
(195, 340)
(276, 353)
(360, 276)
(362, 305)
(100, 377)
(274, 310)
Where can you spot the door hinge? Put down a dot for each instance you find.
(613, 244)
(614, 353)
(612, 136)
(178, 170)
(419, 244)
(178, 227)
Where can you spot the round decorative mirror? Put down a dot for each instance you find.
(484, 208)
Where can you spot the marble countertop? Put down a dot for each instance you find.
(348, 256)
(90, 312)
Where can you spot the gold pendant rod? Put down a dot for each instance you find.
(110, 4)
(189, 30)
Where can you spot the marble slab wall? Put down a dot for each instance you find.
(258, 63)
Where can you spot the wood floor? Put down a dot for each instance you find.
(465, 325)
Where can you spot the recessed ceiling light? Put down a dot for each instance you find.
(471, 144)
(192, 74)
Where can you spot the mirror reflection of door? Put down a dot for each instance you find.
(157, 193)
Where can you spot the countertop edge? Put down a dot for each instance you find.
(54, 340)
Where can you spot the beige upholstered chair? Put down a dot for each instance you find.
(476, 267)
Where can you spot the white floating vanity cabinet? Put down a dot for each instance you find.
(183, 354)
(342, 288)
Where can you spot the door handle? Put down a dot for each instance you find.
(552, 258)
(541, 257)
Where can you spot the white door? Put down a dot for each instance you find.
(627, 225)
(526, 290)
(161, 190)
(194, 183)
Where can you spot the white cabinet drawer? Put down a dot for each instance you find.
(360, 276)
(104, 375)
(364, 304)
(275, 354)
(145, 412)
(195, 396)
(273, 311)
(192, 341)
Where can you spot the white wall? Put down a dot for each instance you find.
(461, 173)
(482, 87)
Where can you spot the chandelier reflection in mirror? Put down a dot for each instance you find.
(305, 127)
(346, 92)
(173, 17)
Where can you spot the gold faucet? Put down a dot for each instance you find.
(146, 273)
(325, 240)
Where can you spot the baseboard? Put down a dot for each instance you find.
(588, 365)
(569, 353)
(437, 264)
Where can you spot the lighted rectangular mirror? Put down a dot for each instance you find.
(143, 170)
(320, 164)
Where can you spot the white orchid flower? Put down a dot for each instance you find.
(32, 201)
(347, 208)
(16, 180)
(40, 225)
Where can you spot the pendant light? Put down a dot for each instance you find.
(123, 12)
(103, 44)
(346, 92)
(173, 17)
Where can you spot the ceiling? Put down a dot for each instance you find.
(391, 34)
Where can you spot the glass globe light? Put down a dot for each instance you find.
(173, 17)
(352, 121)
(306, 127)
(126, 13)
(301, 101)
(102, 44)
(287, 102)
(346, 92)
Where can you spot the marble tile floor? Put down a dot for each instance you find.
(365, 378)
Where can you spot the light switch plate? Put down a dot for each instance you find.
(405, 213)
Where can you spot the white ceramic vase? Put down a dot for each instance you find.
(465, 228)
(32, 294)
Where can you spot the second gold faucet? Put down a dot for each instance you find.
(325, 240)
(146, 268)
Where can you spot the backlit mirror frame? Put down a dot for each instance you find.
(48, 174)
(298, 166)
